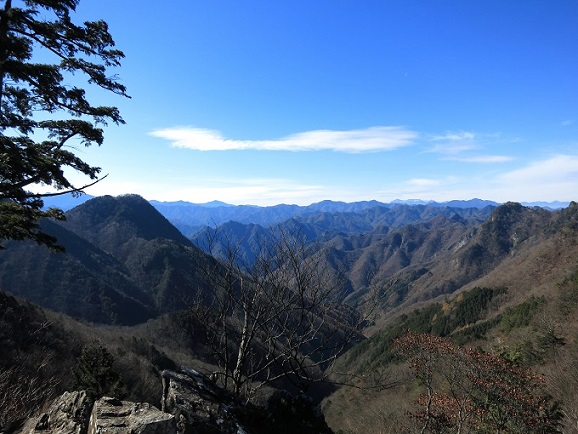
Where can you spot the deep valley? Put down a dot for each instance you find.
(501, 280)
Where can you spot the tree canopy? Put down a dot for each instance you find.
(466, 390)
(43, 111)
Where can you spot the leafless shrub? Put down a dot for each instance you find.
(23, 392)
(279, 317)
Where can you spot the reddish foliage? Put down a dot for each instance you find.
(466, 388)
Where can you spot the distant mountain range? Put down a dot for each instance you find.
(127, 259)
(501, 277)
(190, 218)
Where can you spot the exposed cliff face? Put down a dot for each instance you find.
(191, 404)
(199, 405)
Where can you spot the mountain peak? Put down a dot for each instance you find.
(121, 218)
(215, 204)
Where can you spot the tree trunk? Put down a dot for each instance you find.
(3, 45)
(242, 352)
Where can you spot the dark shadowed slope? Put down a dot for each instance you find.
(124, 263)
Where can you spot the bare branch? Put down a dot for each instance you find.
(277, 318)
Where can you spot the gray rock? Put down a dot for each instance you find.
(191, 404)
(200, 406)
(68, 414)
(113, 416)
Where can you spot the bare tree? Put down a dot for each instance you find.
(280, 316)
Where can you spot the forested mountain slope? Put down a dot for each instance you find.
(338, 232)
(502, 279)
(124, 263)
(520, 302)
(190, 218)
(85, 282)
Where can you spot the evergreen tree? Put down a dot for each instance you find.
(94, 374)
(41, 112)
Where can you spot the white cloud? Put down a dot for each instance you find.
(551, 179)
(421, 188)
(555, 178)
(557, 170)
(484, 159)
(453, 136)
(258, 191)
(453, 143)
(372, 139)
(458, 146)
(421, 183)
(453, 148)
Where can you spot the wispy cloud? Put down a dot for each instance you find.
(567, 122)
(484, 159)
(420, 188)
(372, 139)
(453, 148)
(240, 191)
(420, 183)
(460, 146)
(453, 143)
(554, 178)
(453, 136)
(559, 169)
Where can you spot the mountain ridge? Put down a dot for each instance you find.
(501, 277)
(123, 263)
(190, 217)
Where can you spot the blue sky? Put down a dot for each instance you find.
(296, 101)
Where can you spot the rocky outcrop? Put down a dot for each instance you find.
(191, 404)
(113, 416)
(200, 406)
(75, 413)
(69, 413)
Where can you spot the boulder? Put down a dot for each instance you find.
(75, 413)
(191, 404)
(68, 414)
(112, 416)
(200, 406)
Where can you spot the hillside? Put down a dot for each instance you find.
(519, 302)
(41, 351)
(502, 279)
(124, 263)
(355, 244)
(189, 218)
